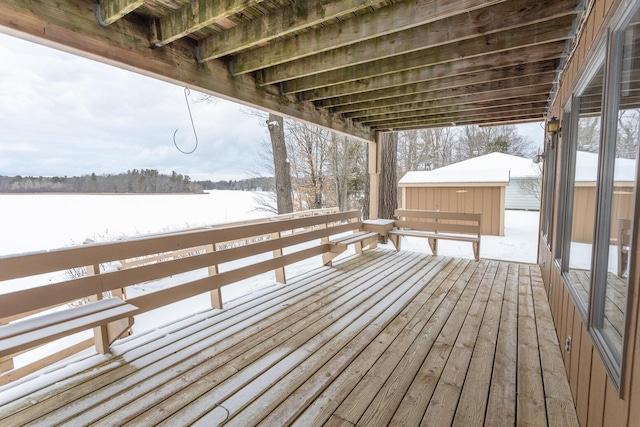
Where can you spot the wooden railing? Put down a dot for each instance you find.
(160, 256)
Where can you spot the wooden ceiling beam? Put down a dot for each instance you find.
(444, 32)
(109, 11)
(511, 87)
(292, 18)
(516, 57)
(395, 18)
(465, 110)
(67, 26)
(489, 121)
(529, 94)
(196, 15)
(456, 117)
(453, 82)
(544, 37)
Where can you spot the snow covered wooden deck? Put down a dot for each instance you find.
(385, 338)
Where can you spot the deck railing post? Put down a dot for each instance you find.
(104, 335)
(281, 276)
(216, 294)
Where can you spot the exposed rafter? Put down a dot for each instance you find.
(440, 33)
(425, 102)
(384, 23)
(279, 23)
(543, 36)
(195, 16)
(463, 67)
(355, 66)
(510, 87)
(109, 11)
(516, 104)
(517, 74)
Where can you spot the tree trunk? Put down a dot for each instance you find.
(281, 164)
(388, 195)
(367, 186)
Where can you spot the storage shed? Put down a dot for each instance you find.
(457, 191)
(499, 181)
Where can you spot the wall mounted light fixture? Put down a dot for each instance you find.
(553, 126)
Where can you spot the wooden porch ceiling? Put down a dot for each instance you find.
(386, 338)
(357, 66)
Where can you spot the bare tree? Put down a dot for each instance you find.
(477, 141)
(308, 153)
(281, 164)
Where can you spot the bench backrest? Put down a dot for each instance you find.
(439, 221)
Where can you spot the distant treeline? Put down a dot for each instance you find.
(249, 184)
(134, 181)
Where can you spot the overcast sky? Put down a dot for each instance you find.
(61, 114)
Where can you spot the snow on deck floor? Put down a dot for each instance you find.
(388, 338)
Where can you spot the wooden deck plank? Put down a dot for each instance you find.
(445, 398)
(531, 408)
(422, 298)
(228, 370)
(473, 400)
(501, 407)
(385, 338)
(417, 399)
(381, 308)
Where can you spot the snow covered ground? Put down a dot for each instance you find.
(39, 222)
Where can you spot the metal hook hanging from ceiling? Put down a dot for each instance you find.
(195, 134)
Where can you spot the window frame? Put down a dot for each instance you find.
(615, 366)
(597, 62)
(549, 185)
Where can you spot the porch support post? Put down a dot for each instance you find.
(374, 176)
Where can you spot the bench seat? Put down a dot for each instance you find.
(360, 236)
(29, 333)
(339, 244)
(437, 225)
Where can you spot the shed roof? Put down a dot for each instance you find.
(492, 167)
(442, 177)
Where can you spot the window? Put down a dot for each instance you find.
(618, 201)
(581, 207)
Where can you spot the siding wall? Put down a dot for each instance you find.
(489, 201)
(596, 398)
(517, 198)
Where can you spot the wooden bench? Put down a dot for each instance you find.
(361, 238)
(26, 334)
(436, 225)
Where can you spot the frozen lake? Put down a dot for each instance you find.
(32, 222)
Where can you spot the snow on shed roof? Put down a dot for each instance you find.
(441, 176)
(587, 168)
(493, 167)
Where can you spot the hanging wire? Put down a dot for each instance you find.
(186, 98)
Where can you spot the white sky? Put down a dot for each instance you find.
(61, 114)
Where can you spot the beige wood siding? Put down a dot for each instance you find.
(489, 201)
